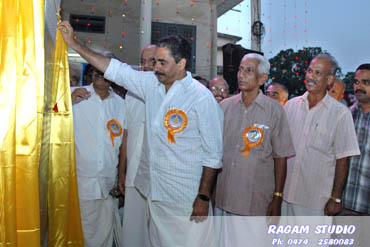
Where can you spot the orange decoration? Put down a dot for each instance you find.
(175, 121)
(114, 129)
(252, 137)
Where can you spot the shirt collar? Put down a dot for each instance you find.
(324, 101)
(91, 89)
(185, 82)
(259, 100)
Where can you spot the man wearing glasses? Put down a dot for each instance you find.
(219, 88)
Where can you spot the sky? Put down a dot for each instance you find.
(341, 27)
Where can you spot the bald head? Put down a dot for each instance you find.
(278, 92)
(337, 90)
(219, 88)
(147, 60)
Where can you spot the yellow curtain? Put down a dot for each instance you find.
(22, 77)
(65, 227)
(21, 106)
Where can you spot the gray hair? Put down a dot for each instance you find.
(263, 65)
(331, 59)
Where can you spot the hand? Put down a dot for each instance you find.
(67, 32)
(200, 210)
(274, 208)
(121, 184)
(114, 192)
(80, 94)
(332, 208)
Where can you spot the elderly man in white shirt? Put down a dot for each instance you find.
(98, 118)
(134, 229)
(182, 142)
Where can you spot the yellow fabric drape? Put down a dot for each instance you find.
(21, 106)
(65, 227)
(22, 77)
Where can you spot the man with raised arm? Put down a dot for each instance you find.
(182, 142)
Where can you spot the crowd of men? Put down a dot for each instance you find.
(179, 143)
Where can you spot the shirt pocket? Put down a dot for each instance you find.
(320, 139)
(264, 149)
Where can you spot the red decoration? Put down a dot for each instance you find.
(55, 108)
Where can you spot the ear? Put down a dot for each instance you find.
(182, 63)
(262, 79)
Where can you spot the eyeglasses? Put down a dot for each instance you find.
(222, 90)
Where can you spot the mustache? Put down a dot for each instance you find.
(158, 73)
(360, 91)
(311, 81)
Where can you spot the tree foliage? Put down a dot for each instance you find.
(348, 80)
(289, 68)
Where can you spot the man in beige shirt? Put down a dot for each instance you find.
(256, 143)
(324, 137)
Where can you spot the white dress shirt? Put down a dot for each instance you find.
(135, 121)
(172, 172)
(96, 157)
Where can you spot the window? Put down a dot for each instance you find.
(160, 30)
(89, 24)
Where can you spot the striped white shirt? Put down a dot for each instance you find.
(321, 135)
(172, 172)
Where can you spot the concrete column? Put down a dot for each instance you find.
(255, 16)
(145, 23)
(213, 42)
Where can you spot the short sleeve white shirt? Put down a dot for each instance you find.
(96, 154)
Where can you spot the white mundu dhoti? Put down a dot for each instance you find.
(170, 225)
(134, 229)
(100, 222)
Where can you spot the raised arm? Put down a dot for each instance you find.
(95, 59)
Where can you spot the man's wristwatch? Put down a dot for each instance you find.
(337, 200)
(203, 197)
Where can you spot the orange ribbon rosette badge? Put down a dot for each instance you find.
(175, 121)
(114, 129)
(252, 136)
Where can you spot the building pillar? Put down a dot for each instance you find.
(145, 23)
(255, 16)
(213, 42)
